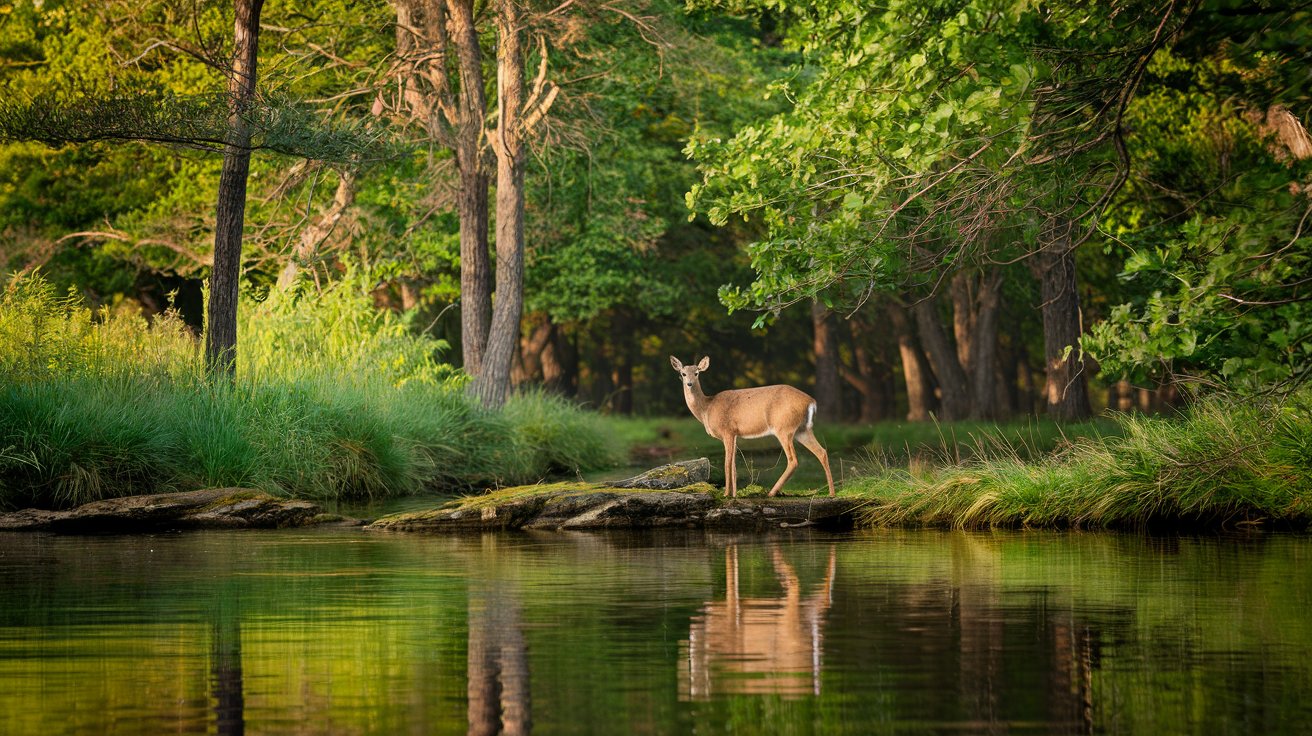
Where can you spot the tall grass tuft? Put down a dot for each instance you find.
(1227, 462)
(334, 399)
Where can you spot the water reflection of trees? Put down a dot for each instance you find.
(498, 671)
(750, 645)
(1000, 654)
(226, 685)
(497, 666)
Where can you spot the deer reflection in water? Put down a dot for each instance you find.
(758, 645)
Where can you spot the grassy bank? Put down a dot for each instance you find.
(881, 442)
(1228, 462)
(333, 400)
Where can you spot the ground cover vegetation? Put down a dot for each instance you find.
(924, 212)
(335, 400)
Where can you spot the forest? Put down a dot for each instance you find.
(359, 248)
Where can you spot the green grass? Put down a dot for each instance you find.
(334, 400)
(1228, 462)
(890, 442)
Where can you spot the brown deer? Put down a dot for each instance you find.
(782, 411)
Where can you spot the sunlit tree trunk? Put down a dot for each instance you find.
(492, 385)
(428, 34)
(920, 393)
(1066, 393)
(221, 330)
(472, 196)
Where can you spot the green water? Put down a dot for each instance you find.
(350, 632)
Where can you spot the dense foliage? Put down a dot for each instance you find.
(916, 167)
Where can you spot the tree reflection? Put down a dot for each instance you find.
(758, 645)
(498, 671)
(226, 682)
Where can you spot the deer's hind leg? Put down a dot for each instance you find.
(791, 453)
(807, 438)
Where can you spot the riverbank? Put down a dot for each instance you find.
(332, 400)
(1228, 462)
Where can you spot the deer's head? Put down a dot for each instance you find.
(688, 373)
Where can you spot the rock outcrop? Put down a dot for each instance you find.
(211, 508)
(564, 506)
(669, 477)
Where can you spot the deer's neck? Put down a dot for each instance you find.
(698, 402)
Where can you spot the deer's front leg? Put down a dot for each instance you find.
(730, 472)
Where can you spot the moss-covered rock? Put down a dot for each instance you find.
(610, 506)
(669, 477)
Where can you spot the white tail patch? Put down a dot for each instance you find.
(810, 414)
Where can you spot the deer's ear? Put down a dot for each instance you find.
(676, 363)
(704, 364)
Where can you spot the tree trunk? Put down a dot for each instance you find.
(560, 364)
(963, 292)
(828, 399)
(1066, 393)
(984, 347)
(425, 34)
(1026, 389)
(492, 385)
(532, 348)
(954, 387)
(914, 373)
(471, 200)
(621, 342)
(225, 276)
(318, 231)
(873, 377)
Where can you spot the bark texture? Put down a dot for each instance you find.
(221, 330)
(1066, 393)
(984, 347)
(954, 387)
(492, 384)
(471, 199)
(920, 393)
(429, 34)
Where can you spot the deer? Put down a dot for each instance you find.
(785, 412)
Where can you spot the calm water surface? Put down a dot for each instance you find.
(349, 632)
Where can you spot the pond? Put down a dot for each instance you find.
(351, 632)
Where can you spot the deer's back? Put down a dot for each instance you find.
(756, 412)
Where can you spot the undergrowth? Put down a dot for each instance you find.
(333, 399)
(1226, 462)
